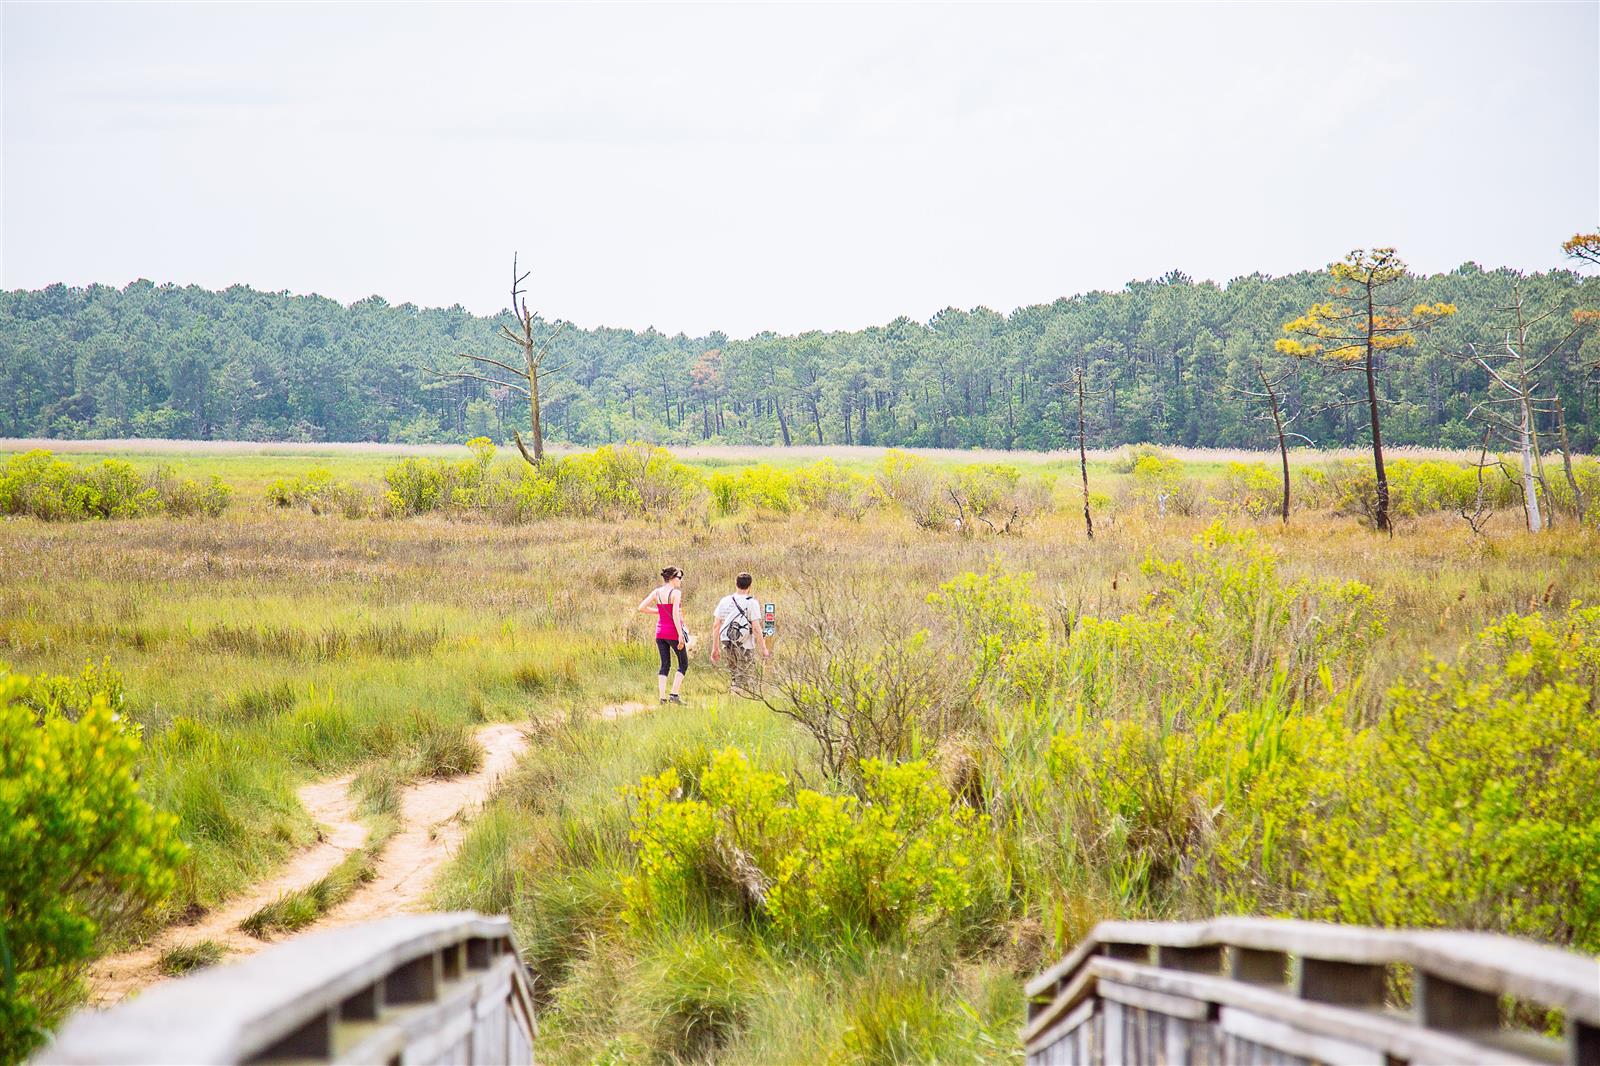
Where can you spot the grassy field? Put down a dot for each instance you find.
(1091, 714)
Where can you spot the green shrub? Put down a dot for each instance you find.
(1158, 484)
(1251, 489)
(416, 486)
(865, 682)
(1473, 803)
(82, 854)
(817, 866)
(821, 486)
(1001, 635)
(184, 497)
(1416, 487)
(36, 483)
(995, 497)
(1128, 457)
(318, 492)
(70, 696)
(916, 486)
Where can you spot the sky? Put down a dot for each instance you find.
(784, 167)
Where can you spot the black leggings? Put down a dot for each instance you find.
(666, 648)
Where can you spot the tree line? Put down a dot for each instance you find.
(1169, 361)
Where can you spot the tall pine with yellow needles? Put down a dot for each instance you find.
(1356, 330)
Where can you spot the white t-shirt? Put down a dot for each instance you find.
(732, 605)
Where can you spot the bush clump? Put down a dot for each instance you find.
(36, 483)
(83, 854)
(818, 867)
(318, 492)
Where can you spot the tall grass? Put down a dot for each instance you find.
(267, 648)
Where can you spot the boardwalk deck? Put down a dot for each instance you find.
(427, 988)
(1254, 990)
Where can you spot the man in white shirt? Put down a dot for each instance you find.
(737, 625)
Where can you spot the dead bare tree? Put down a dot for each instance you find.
(1078, 376)
(1480, 513)
(1566, 462)
(531, 376)
(1512, 413)
(1272, 388)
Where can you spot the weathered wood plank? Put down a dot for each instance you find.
(1395, 1035)
(311, 997)
(1460, 976)
(1266, 1032)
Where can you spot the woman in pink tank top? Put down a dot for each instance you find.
(667, 602)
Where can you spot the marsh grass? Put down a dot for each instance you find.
(186, 958)
(266, 648)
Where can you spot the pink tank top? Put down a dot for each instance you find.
(665, 630)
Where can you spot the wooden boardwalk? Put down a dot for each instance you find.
(426, 988)
(1257, 990)
(449, 988)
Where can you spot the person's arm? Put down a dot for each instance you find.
(648, 604)
(716, 634)
(677, 616)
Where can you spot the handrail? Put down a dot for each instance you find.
(424, 987)
(1326, 982)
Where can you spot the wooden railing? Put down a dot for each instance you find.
(1258, 990)
(428, 988)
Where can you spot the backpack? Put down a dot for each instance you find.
(738, 626)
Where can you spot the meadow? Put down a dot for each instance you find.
(981, 731)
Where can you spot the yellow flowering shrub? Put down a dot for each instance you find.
(813, 865)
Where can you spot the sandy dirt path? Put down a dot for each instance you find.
(433, 816)
(433, 820)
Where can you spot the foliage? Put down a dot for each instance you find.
(819, 867)
(162, 361)
(821, 486)
(864, 682)
(417, 485)
(1159, 485)
(182, 496)
(990, 496)
(82, 852)
(1416, 487)
(35, 483)
(1250, 489)
(1471, 803)
(317, 491)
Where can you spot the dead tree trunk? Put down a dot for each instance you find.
(1381, 514)
(1283, 444)
(1083, 460)
(530, 375)
(1566, 462)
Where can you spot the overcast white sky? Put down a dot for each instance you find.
(785, 167)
